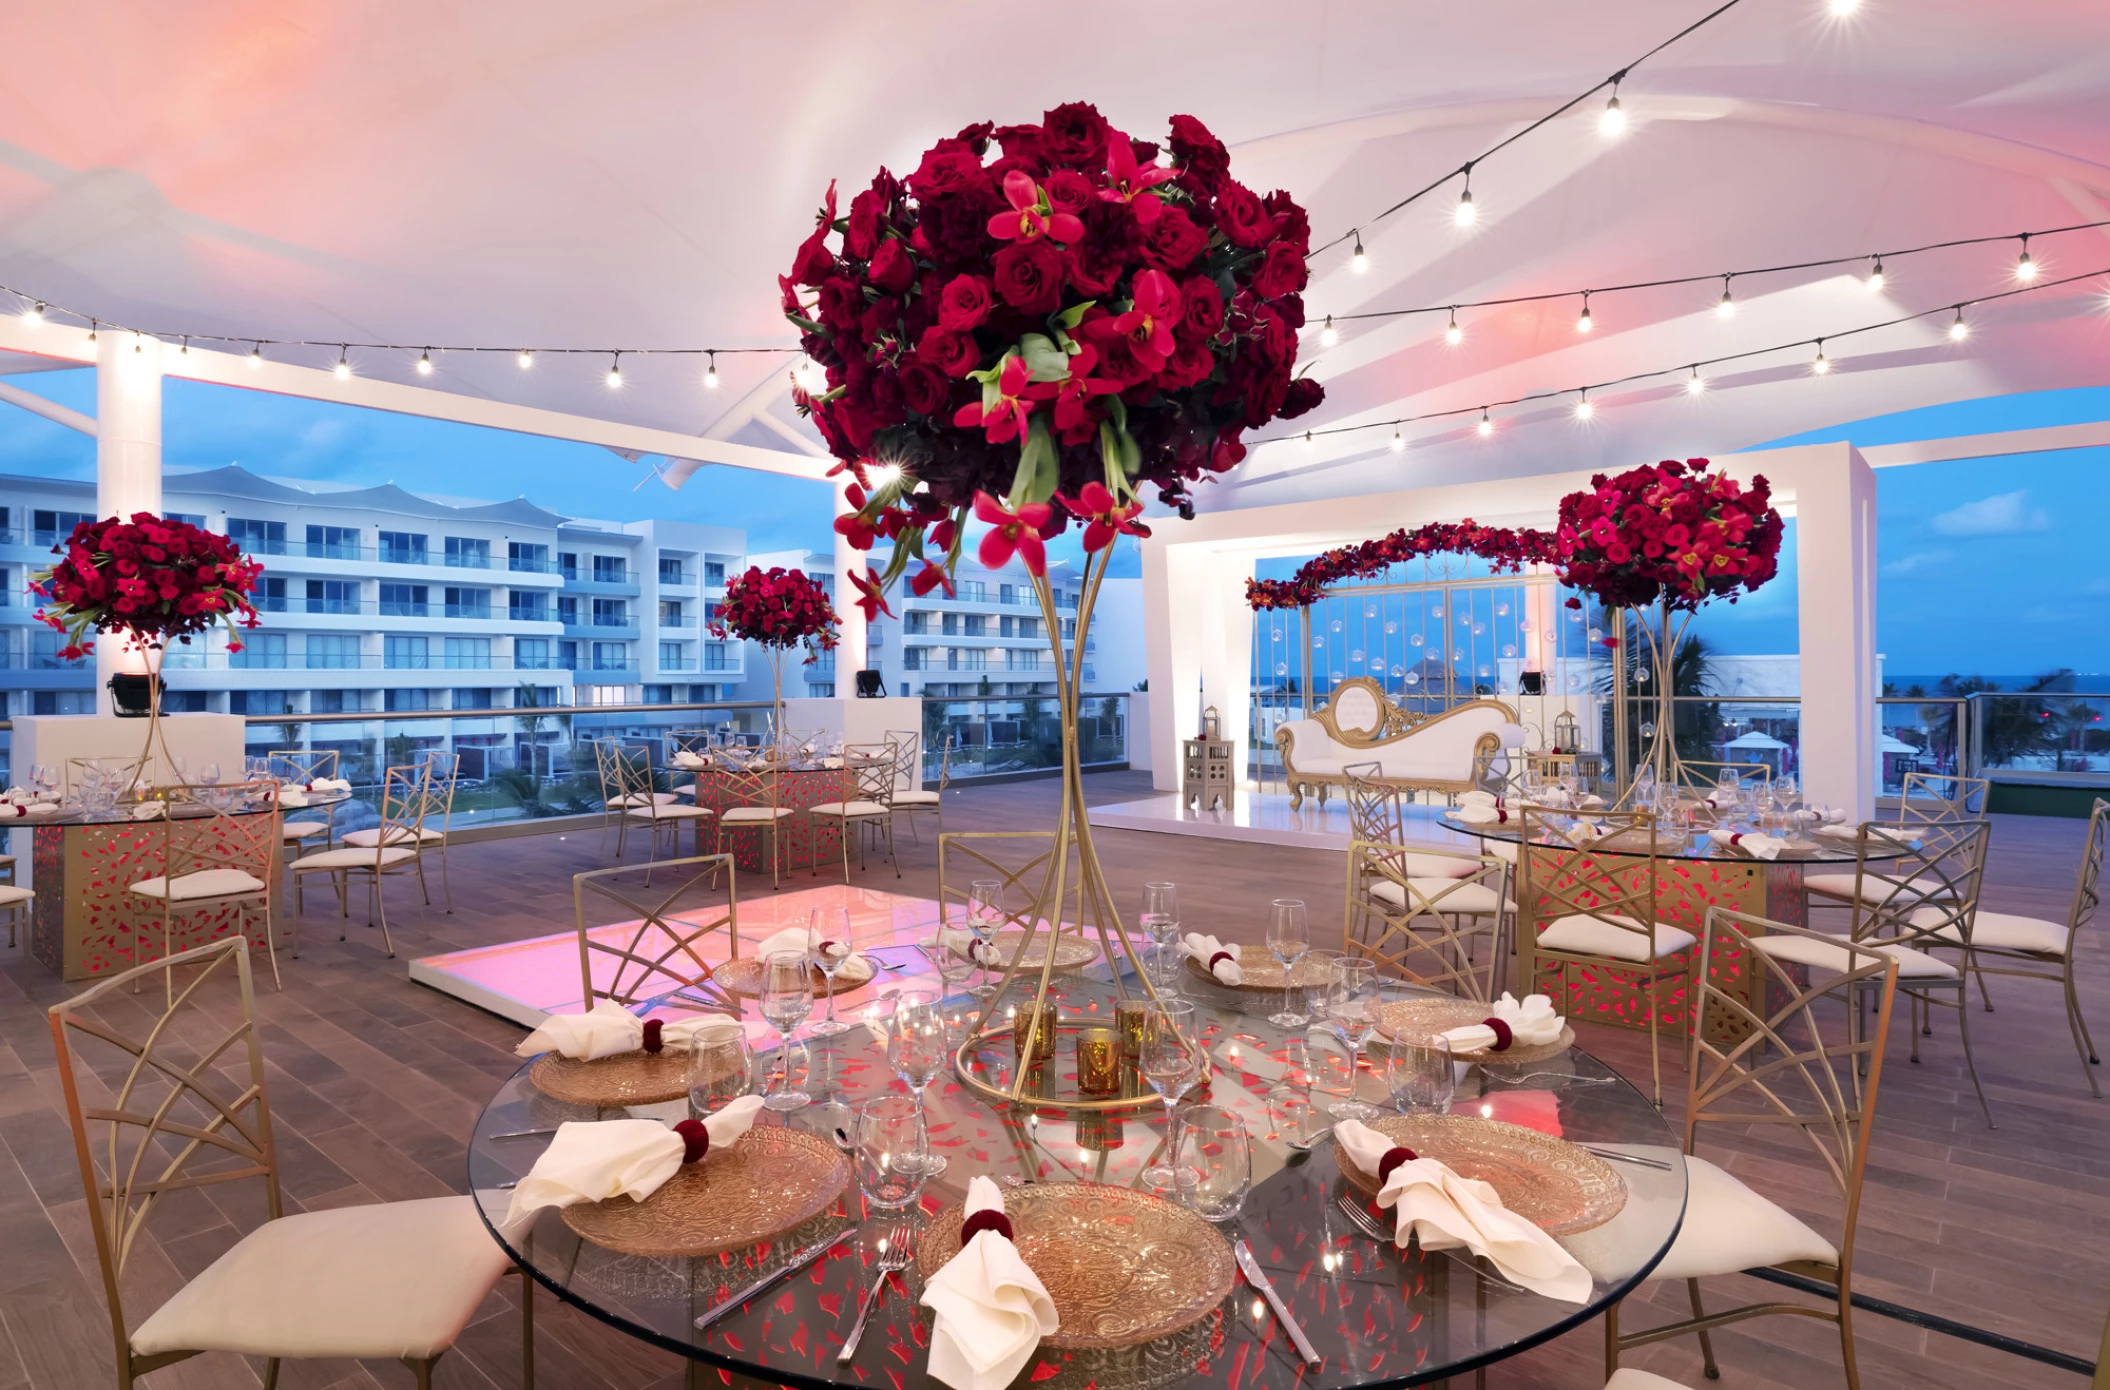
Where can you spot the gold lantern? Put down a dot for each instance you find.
(1567, 733)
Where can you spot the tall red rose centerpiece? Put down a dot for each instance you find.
(1034, 326)
(777, 609)
(152, 580)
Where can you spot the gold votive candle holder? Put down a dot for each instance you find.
(1098, 1062)
(1041, 1044)
(1128, 1023)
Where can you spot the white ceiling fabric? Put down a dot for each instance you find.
(636, 175)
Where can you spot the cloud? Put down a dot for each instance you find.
(2003, 514)
(1917, 561)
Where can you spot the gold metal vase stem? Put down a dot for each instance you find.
(1659, 746)
(1090, 898)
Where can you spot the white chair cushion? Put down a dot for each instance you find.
(1442, 864)
(352, 859)
(1728, 1228)
(915, 798)
(847, 808)
(1875, 891)
(1439, 895)
(302, 829)
(401, 835)
(1584, 935)
(1627, 1378)
(205, 883)
(659, 798)
(2004, 931)
(1824, 955)
(665, 812)
(10, 895)
(400, 1279)
(737, 815)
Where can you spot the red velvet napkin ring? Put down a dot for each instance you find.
(1394, 1156)
(991, 1220)
(1503, 1034)
(653, 1041)
(1221, 955)
(695, 1140)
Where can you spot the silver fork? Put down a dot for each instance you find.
(1369, 1226)
(900, 1246)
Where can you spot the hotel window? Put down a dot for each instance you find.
(412, 699)
(468, 603)
(568, 563)
(403, 600)
(62, 702)
(659, 695)
(333, 702)
(912, 658)
(531, 653)
(334, 595)
(196, 519)
(333, 651)
(609, 569)
(472, 697)
(875, 635)
(714, 573)
(1029, 627)
(951, 624)
(567, 609)
(974, 591)
(402, 548)
(271, 595)
(611, 656)
(977, 625)
(1007, 593)
(670, 658)
(332, 542)
(261, 651)
(715, 658)
(602, 694)
(467, 653)
(527, 559)
(468, 552)
(611, 612)
(670, 612)
(914, 621)
(670, 570)
(527, 606)
(259, 702)
(405, 653)
(255, 537)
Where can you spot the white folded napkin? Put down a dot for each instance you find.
(855, 969)
(1219, 960)
(991, 1310)
(594, 1160)
(1482, 808)
(1531, 1021)
(291, 798)
(1840, 832)
(1751, 842)
(323, 786)
(963, 944)
(610, 1030)
(683, 758)
(1446, 1210)
(15, 810)
(149, 810)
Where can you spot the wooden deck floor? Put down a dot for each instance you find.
(376, 1082)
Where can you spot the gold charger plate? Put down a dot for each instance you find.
(1122, 1267)
(1260, 971)
(1418, 1021)
(1071, 953)
(772, 1180)
(628, 1078)
(1555, 1185)
(743, 977)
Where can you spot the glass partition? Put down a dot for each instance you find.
(997, 736)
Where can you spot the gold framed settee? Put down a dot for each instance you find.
(1444, 752)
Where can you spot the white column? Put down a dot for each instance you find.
(127, 458)
(1173, 580)
(850, 649)
(1227, 651)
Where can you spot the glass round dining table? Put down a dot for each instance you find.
(1377, 1315)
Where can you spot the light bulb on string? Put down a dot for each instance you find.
(1611, 124)
(1696, 383)
(1875, 275)
(1583, 409)
(425, 362)
(1842, 8)
(1583, 323)
(1454, 335)
(526, 358)
(710, 374)
(1399, 442)
(615, 371)
(1357, 261)
(2025, 268)
(1487, 426)
(256, 357)
(35, 314)
(344, 366)
(1466, 213)
(1328, 334)
(93, 325)
(1820, 364)
(185, 349)
(1310, 444)
(1726, 309)
(1959, 330)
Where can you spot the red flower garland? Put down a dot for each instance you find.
(1673, 531)
(1070, 313)
(150, 577)
(778, 608)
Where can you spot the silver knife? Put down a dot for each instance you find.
(1259, 1281)
(794, 1265)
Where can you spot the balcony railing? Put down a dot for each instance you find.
(466, 560)
(528, 564)
(677, 620)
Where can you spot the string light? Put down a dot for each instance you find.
(1583, 409)
(1399, 442)
(1727, 308)
(35, 314)
(2025, 268)
(1487, 425)
(1842, 8)
(1466, 214)
(185, 349)
(92, 326)
(256, 357)
(615, 372)
(425, 362)
(710, 374)
(1875, 275)
(1959, 330)
(344, 366)
(1583, 324)
(1695, 384)
(1310, 444)
(1328, 334)
(1454, 335)
(1358, 262)
(1612, 123)
(526, 359)
(1821, 364)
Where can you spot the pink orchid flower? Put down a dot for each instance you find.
(1129, 180)
(1149, 324)
(1094, 504)
(1029, 216)
(871, 593)
(1012, 533)
(1007, 420)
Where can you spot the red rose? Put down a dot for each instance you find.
(862, 238)
(891, 269)
(1303, 394)
(954, 354)
(1203, 315)
(1188, 366)
(814, 262)
(1291, 223)
(1029, 276)
(924, 389)
(1173, 241)
(964, 304)
(1198, 151)
(943, 173)
(1282, 271)
(1243, 219)
(1073, 134)
(1069, 191)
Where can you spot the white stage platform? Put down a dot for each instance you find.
(1268, 818)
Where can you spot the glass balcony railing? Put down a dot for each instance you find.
(994, 736)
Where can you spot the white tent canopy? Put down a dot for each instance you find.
(1756, 742)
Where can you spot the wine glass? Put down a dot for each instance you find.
(1171, 1061)
(1352, 1008)
(1289, 938)
(985, 914)
(828, 942)
(1221, 1160)
(918, 1047)
(1161, 912)
(952, 967)
(893, 1152)
(1165, 961)
(1421, 1076)
(720, 1075)
(787, 997)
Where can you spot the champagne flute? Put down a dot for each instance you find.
(918, 1048)
(1352, 1008)
(828, 939)
(1161, 912)
(1171, 1061)
(787, 997)
(985, 914)
(1289, 938)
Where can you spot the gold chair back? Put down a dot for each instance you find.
(238, 830)
(405, 799)
(2087, 891)
(697, 742)
(442, 772)
(654, 946)
(1928, 897)
(751, 782)
(1415, 924)
(1929, 798)
(304, 764)
(909, 760)
(629, 770)
(967, 855)
(1374, 812)
(1564, 873)
(945, 764)
(183, 1107)
(873, 768)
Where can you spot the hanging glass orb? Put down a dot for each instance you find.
(1413, 679)
(1416, 640)
(1648, 730)
(1509, 651)
(1398, 671)
(1339, 676)
(1575, 680)
(1524, 626)
(1436, 610)
(1575, 615)
(1485, 671)
(1391, 629)
(1318, 644)
(1479, 629)
(1278, 634)
(1336, 625)
(1596, 635)
(1641, 676)
(1369, 610)
(1459, 658)
(1501, 610)
(1465, 620)
(1282, 668)
(1356, 657)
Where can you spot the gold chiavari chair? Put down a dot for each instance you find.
(967, 855)
(748, 792)
(1427, 926)
(1377, 813)
(869, 771)
(622, 788)
(1588, 900)
(1905, 905)
(217, 861)
(689, 751)
(1930, 798)
(911, 797)
(1780, 1072)
(644, 805)
(435, 775)
(15, 900)
(2032, 948)
(396, 849)
(302, 766)
(654, 948)
(180, 1107)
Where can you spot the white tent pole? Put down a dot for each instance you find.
(127, 458)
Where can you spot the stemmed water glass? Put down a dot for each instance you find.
(985, 914)
(1171, 1061)
(1351, 1008)
(787, 997)
(1289, 938)
(1160, 917)
(918, 1047)
(828, 927)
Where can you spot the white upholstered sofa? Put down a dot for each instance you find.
(1446, 752)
